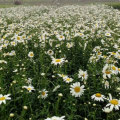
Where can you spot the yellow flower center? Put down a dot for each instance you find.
(61, 36)
(104, 56)
(108, 34)
(114, 102)
(18, 38)
(63, 75)
(4, 45)
(98, 95)
(113, 67)
(80, 34)
(4, 37)
(58, 60)
(2, 98)
(29, 89)
(77, 89)
(13, 43)
(43, 93)
(31, 54)
(107, 72)
(23, 37)
(113, 53)
(99, 53)
(68, 79)
(83, 75)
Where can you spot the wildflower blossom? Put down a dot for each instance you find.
(82, 74)
(57, 61)
(77, 90)
(98, 97)
(3, 98)
(31, 54)
(30, 88)
(113, 103)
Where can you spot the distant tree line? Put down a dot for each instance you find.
(54, 2)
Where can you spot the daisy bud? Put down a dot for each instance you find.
(38, 97)
(89, 103)
(66, 61)
(94, 104)
(106, 110)
(21, 91)
(25, 107)
(14, 81)
(53, 76)
(12, 115)
(85, 82)
(60, 94)
(118, 89)
(42, 74)
(22, 64)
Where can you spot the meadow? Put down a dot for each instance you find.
(60, 63)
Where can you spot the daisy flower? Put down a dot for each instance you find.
(107, 85)
(3, 98)
(69, 45)
(107, 34)
(117, 55)
(82, 74)
(57, 61)
(48, 119)
(13, 43)
(113, 103)
(79, 34)
(43, 94)
(98, 97)
(29, 88)
(3, 61)
(112, 53)
(106, 72)
(56, 118)
(57, 87)
(67, 79)
(77, 90)
(31, 54)
(62, 75)
(114, 69)
(60, 37)
(119, 70)
(106, 110)
(50, 52)
(18, 38)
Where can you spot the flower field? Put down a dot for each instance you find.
(60, 63)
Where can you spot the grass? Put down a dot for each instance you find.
(6, 6)
(59, 62)
(9, 3)
(115, 5)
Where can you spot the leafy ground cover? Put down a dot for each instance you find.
(60, 63)
(115, 5)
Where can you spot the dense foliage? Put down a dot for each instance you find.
(60, 63)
